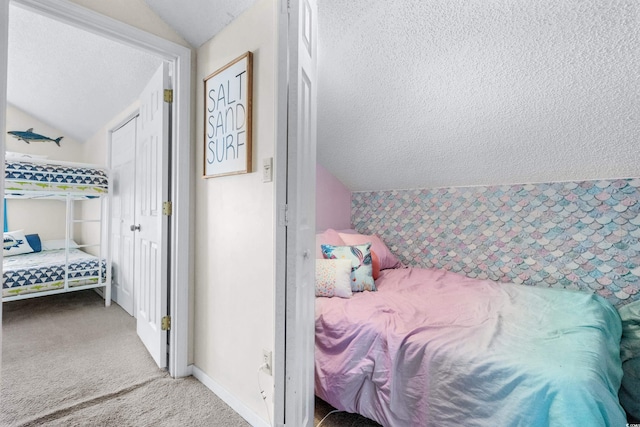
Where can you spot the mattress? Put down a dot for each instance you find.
(435, 348)
(42, 271)
(26, 177)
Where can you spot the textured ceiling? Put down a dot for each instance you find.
(458, 92)
(197, 21)
(68, 78)
(421, 94)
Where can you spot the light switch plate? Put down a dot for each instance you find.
(267, 169)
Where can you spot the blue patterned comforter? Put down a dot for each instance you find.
(21, 177)
(40, 271)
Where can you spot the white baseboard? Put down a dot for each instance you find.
(228, 398)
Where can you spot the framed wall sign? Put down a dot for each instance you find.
(227, 118)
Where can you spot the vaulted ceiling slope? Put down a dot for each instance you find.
(197, 21)
(68, 78)
(456, 92)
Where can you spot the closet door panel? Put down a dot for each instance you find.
(123, 152)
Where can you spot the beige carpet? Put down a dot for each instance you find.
(69, 361)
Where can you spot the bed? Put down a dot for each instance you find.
(428, 347)
(35, 178)
(60, 265)
(47, 270)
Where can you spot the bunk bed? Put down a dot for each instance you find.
(56, 266)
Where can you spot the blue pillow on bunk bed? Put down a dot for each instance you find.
(34, 242)
(15, 243)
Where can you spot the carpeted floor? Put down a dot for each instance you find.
(69, 361)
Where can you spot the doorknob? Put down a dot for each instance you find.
(135, 227)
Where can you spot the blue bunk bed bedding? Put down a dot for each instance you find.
(43, 271)
(27, 177)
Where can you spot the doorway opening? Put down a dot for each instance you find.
(178, 58)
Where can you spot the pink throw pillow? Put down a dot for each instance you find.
(387, 259)
(327, 237)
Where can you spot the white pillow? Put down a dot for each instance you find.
(333, 278)
(21, 157)
(51, 245)
(15, 243)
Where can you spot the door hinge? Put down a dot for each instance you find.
(285, 6)
(283, 216)
(167, 208)
(165, 323)
(168, 96)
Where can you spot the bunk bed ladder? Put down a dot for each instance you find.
(103, 277)
(68, 236)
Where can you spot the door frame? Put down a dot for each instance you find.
(179, 58)
(4, 39)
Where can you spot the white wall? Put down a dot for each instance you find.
(234, 227)
(45, 217)
(69, 149)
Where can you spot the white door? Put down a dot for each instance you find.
(301, 158)
(123, 158)
(151, 225)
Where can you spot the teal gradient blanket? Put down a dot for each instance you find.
(435, 348)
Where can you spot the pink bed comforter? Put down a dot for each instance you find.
(433, 348)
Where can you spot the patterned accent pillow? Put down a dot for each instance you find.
(361, 269)
(15, 243)
(333, 278)
(387, 258)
